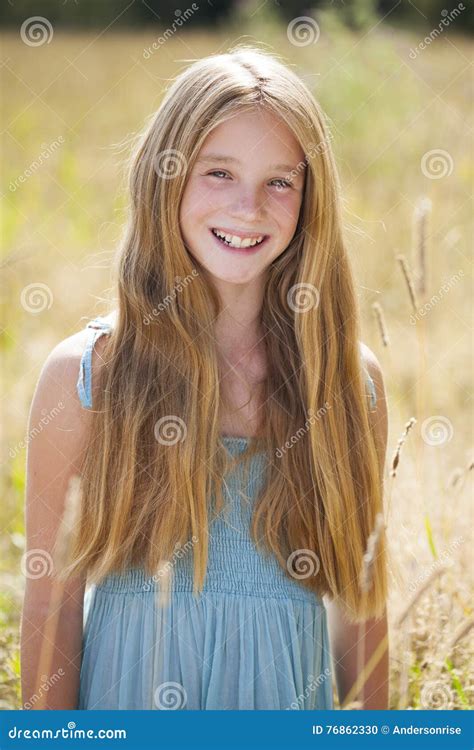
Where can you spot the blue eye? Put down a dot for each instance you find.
(282, 183)
(217, 171)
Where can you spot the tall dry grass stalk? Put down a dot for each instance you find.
(420, 230)
(379, 317)
(461, 632)
(421, 378)
(407, 275)
(63, 544)
(395, 462)
(401, 620)
(396, 455)
(434, 575)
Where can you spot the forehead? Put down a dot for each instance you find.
(253, 136)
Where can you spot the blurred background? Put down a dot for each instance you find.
(79, 78)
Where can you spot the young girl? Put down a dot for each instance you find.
(227, 423)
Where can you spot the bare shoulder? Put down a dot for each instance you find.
(57, 435)
(56, 411)
(60, 371)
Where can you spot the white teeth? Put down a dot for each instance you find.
(235, 241)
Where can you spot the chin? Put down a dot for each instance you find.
(226, 275)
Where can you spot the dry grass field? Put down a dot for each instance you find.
(402, 136)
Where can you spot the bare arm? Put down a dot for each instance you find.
(51, 625)
(345, 636)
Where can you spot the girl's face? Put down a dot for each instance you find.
(247, 186)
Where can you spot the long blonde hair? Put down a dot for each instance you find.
(144, 493)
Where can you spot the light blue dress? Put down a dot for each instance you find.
(254, 639)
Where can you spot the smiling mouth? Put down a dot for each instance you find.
(232, 240)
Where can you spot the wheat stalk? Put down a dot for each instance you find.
(396, 455)
(409, 282)
(461, 632)
(418, 594)
(379, 317)
(421, 213)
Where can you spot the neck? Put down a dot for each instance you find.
(238, 329)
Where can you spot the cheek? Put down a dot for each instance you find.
(286, 207)
(198, 200)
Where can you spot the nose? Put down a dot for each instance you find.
(249, 204)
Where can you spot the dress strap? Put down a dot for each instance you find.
(97, 327)
(370, 382)
(373, 395)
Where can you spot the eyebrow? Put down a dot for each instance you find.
(232, 160)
